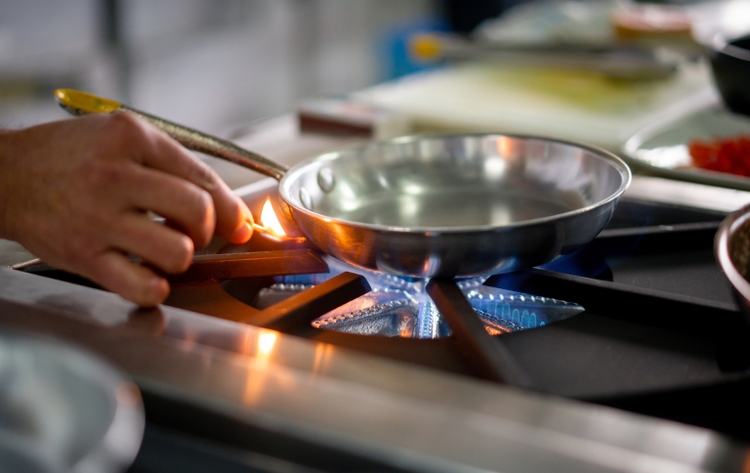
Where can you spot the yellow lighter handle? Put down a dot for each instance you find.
(81, 103)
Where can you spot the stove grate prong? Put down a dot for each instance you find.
(487, 354)
(295, 314)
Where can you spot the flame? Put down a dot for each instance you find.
(270, 221)
(270, 226)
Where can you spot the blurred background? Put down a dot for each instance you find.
(211, 64)
(218, 64)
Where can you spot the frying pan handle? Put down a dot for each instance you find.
(81, 103)
(214, 146)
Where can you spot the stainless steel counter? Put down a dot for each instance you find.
(407, 416)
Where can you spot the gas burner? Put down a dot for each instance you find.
(400, 307)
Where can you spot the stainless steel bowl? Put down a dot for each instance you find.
(63, 409)
(732, 250)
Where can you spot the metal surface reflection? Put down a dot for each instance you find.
(264, 342)
(371, 407)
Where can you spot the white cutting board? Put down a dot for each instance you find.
(566, 104)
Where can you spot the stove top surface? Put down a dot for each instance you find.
(659, 335)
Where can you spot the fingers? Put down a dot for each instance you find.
(152, 148)
(232, 217)
(164, 178)
(188, 207)
(191, 196)
(114, 271)
(89, 182)
(165, 248)
(169, 250)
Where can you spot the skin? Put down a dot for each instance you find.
(76, 194)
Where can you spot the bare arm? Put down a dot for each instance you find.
(76, 194)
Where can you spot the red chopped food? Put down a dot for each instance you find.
(730, 154)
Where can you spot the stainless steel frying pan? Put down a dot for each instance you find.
(425, 206)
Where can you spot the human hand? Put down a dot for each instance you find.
(76, 194)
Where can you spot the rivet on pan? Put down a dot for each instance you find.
(326, 180)
(305, 198)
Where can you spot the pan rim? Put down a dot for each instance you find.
(616, 162)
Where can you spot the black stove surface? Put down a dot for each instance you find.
(661, 334)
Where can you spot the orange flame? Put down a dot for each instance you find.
(270, 225)
(270, 221)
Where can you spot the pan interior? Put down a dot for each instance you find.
(454, 182)
(447, 208)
